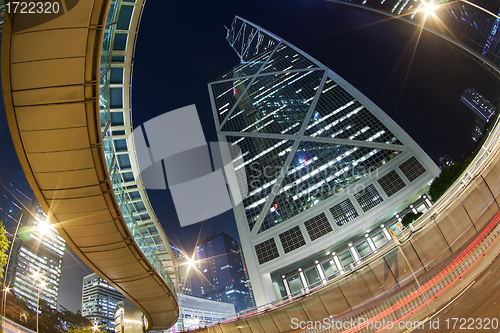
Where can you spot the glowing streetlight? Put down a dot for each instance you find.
(43, 226)
(428, 8)
(191, 262)
(5, 291)
(95, 328)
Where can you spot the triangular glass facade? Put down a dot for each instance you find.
(304, 137)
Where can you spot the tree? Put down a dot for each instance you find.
(446, 179)
(81, 329)
(409, 218)
(4, 245)
(49, 320)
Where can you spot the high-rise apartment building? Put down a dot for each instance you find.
(323, 163)
(35, 264)
(478, 104)
(99, 301)
(183, 271)
(220, 261)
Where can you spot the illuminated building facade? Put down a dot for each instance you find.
(323, 163)
(198, 312)
(35, 264)
(478, 104)
(99, 301)
(225, 279)
(182, 269)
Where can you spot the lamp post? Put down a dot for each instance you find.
(5, 291)
(41, 285)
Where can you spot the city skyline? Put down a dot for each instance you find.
(139, 85)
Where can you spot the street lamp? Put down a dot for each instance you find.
(95, 328)
(41, 285)
(5, 291)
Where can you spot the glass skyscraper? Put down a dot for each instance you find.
(323, 163)
(224, 276)
(35, 264)
(184, 276)
(478, 104)
(99, 301)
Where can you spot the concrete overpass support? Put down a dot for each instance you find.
(50, 67)
(441, 233)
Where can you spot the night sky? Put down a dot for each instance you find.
(181, 47)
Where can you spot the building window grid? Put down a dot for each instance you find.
(297, 195)
(318, 226)
(287, 59)
(225, 95)
(412, 168)
(280, 104)
(391, 183)
(266, 251)
(292, 239)
(260, 172)
(345, 117)
(344, 212)
(368, 198)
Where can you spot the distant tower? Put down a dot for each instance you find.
(35, 264)
(478, 104)
(182, 268)
(99, 301)
(445, 162)
(225, 279)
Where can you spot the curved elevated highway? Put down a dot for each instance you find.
(448, 239)
(60, 100)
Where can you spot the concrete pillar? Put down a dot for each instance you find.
(287, 286)
(132, 318)
(386, 234)
(321, 273)
(304, 281)
(354, 254)
(339, 264)
(268, 284)
(371, 244)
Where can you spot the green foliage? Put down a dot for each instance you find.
(446, 179)
(4, 245)
(409, 218)
(80, 329)
(49, 320)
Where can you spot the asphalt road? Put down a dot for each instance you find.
(476, 308)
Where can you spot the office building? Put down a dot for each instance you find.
(34, 268)
(445, 162)
(478, 104)
(183, 271)
(198, 312)
(224, 275)
(99, 301)
(323, 163)
(478, 131)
